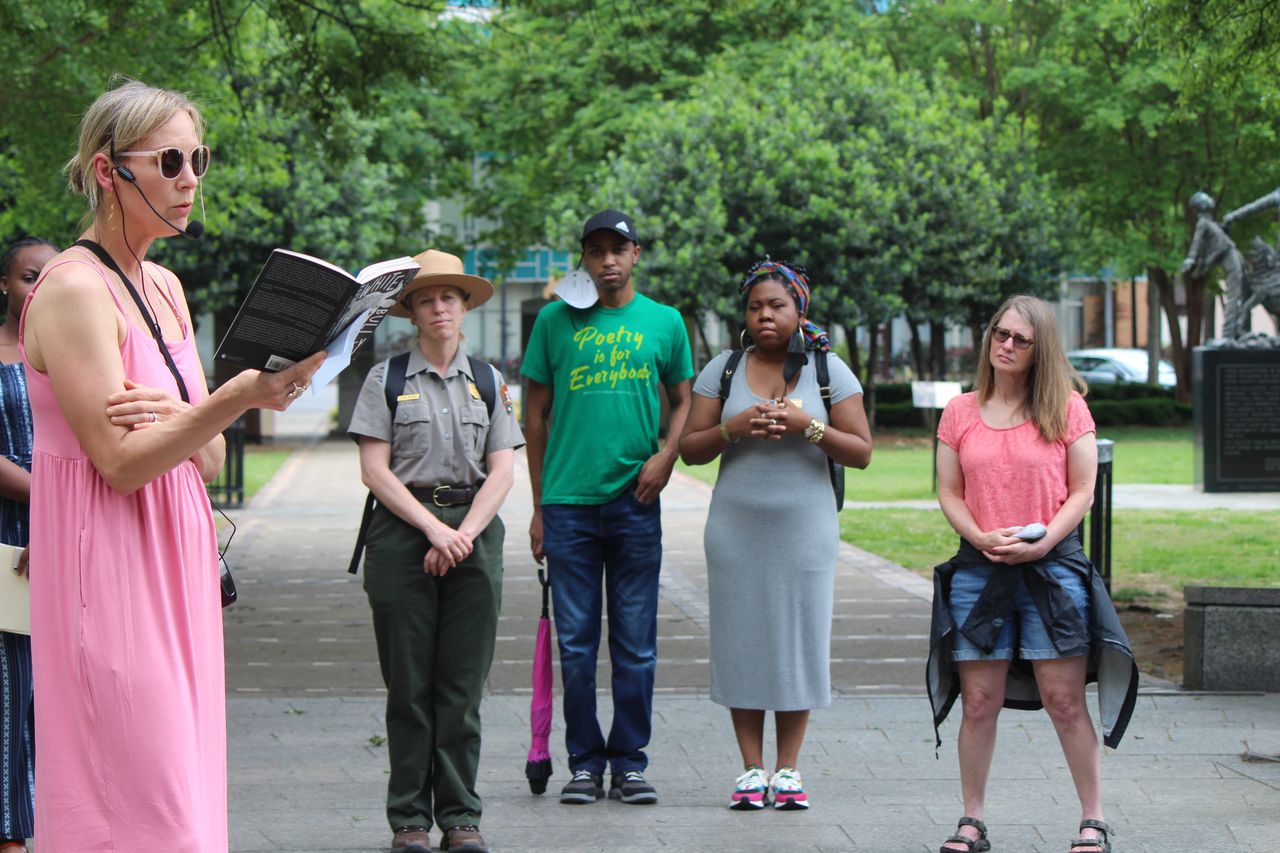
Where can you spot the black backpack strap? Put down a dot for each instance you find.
(393, 382)
(824, 378)
(392, 387)
(482, 373)
(730, 366)
(835, 469)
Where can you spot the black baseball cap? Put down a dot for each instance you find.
(610, 220)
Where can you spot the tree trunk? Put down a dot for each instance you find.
(851, 338)
(1180, 355)
(938, 349)
(869, 384)
(917, 350)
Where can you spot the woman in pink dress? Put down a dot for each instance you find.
(127, 627)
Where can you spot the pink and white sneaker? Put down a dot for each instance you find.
(751, 790)
(787, 790)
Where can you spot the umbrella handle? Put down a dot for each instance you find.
(546, 591)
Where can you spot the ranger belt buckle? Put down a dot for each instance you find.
(435, 495)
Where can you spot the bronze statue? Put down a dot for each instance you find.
(1256, 282)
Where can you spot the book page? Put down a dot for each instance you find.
(374, 270)
(375, 298)
(339, 354)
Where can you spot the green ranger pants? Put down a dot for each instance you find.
(435, 640)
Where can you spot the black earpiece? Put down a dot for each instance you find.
(124, 171)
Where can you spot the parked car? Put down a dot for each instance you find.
(1111, 365)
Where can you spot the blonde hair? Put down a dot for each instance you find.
(1051, 378)
(122, 115)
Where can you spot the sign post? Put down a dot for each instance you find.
(933, 397)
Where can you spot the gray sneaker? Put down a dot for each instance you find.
(584, 787)
(630, 787)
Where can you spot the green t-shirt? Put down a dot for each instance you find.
(604, 366)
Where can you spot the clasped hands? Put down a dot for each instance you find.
(447, 548)
(1001, 546)
(769, 420)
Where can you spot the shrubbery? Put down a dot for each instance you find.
(1125, 404)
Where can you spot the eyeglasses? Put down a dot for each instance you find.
(1000, 334)
(171, 160)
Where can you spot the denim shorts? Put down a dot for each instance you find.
(1023, 628)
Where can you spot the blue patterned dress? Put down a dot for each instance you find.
(17, 745)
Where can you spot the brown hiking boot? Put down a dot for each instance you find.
(464, 839)
(412, 839)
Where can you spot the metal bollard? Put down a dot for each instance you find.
(1099, 547)
(227, 491)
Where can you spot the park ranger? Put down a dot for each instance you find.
(437, 442)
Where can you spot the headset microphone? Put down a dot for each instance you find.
(194, 226)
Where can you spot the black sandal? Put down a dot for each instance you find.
(978, 846)
(1102, 842)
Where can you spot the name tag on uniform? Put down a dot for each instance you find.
(474, 389)
(403, 398)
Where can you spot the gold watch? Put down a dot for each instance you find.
(815, 430)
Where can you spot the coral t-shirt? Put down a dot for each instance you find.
(1012, 476)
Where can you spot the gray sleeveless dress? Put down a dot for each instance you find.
(771, 540)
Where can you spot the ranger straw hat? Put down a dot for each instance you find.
(442, 268)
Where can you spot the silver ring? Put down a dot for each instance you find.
(154, 417)
(773, 421)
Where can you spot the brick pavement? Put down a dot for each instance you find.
(308, 768)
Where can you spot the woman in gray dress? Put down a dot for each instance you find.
(772, 534)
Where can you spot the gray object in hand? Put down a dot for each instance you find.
(1032, 532)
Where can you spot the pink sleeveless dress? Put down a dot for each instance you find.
(131, 737)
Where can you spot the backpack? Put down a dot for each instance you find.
(835, 469)
(392, 387)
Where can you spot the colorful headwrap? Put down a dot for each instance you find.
(815, 337)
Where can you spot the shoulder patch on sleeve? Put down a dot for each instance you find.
(506, 397)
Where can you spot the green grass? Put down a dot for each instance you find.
(260, 465)
(1152, 454)
(1155, 552)
(901, 465)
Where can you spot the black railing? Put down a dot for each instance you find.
(1099, 519)
(228, 490)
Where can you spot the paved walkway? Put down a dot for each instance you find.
(308, 764)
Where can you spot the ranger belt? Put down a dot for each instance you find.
(446, 495)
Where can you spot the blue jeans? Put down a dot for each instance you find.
(1023, 628)
(611, 551)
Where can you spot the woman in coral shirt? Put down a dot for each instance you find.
(1014, 615)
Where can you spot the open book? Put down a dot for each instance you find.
(300, 305)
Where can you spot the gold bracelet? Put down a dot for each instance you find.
(815, 430)
(724, 432)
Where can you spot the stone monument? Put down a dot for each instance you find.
(1236, 378)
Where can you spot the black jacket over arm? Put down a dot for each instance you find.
(1111, 662)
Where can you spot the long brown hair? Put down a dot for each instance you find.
(1051, 378)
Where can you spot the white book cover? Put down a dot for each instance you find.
(15, 593)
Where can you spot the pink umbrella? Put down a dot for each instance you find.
(538, 767)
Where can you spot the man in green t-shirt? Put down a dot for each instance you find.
(596, 466)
